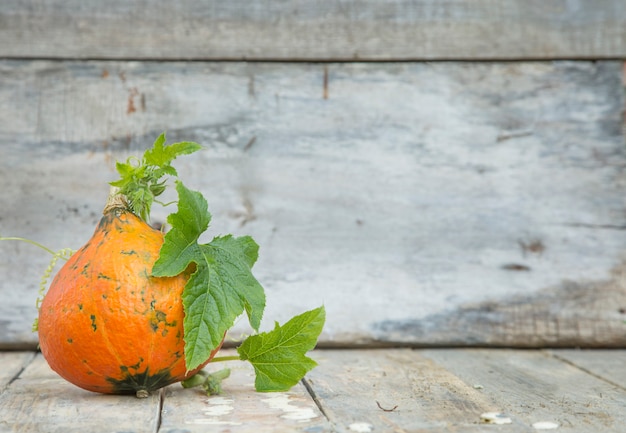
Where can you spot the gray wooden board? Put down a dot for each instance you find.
(239, 407)
(447, 203)
(531, 387)
(320, 30)
(397, 390)
(607, 364)
(12, 365)
(41, 401)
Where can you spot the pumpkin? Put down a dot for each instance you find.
(106, 325)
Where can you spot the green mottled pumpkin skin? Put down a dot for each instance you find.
(105, 324)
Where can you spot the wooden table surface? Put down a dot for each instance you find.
(373, 390)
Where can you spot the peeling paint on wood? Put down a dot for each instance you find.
(240, 408)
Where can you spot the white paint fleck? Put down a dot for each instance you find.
(495, 418)
(361, 427)
(217, 407)
(545, 425)
(210, 421)
(282, 402)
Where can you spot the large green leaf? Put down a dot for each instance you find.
(278, 356)
(222, 286)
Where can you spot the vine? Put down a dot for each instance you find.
(64, 253)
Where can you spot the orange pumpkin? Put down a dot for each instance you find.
(105, 324)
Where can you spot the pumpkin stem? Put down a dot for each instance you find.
(225, 358)
(115, 200)
(211, 382)
(142, 393)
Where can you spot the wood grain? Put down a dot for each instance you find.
(305, 30)
(562, 316)
(533, 387)
(446, 203)
(606, 364)
(39, 400)
(12, 365)
(396, 390)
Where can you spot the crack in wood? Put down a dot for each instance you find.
(19, 372)
(309, 388)
(585, 370)
(159, 412)
(596, 226)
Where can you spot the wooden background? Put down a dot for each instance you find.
(434, 173)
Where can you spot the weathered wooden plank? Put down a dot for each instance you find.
(358, 390)
(12, 365)
(39, 400)
(240, 408)
(532, 387)
(398, 390)
(449, 203)
(321, 30)
(607, 364)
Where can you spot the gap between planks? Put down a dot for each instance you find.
(586, 360)
(14, 366)
(159, 411)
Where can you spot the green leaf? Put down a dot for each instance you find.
(124, 169)
(234, 258)
(278, 356)
(221, 287)
(181, 242)
(161, 155)
(140, 179)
